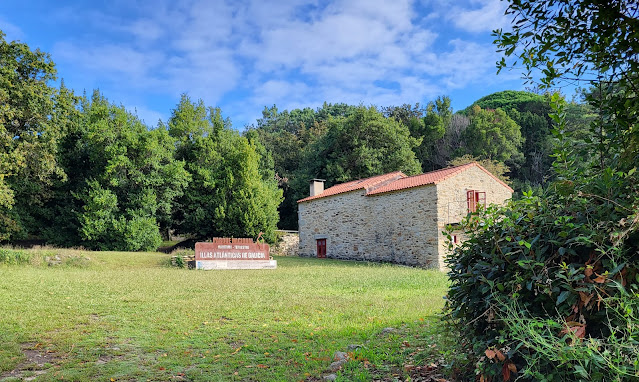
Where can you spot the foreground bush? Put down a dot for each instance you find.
(547, 289)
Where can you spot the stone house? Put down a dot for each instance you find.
(393, 217)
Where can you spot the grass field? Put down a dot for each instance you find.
(128, 316)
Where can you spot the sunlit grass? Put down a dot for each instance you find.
(129, 316)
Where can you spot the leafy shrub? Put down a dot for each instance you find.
(178, 257)
(179, 262)
(102, 228)
(141, 234)
(548, 289)
(13, 257)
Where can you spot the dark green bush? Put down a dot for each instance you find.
(548, 288)
(179, 262)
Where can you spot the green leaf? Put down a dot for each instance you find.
(563, 296)
(581, 371)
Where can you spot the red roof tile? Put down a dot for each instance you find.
(397, 180)
(366, 184)
(433, 177)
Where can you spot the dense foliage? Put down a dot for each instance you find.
(361, 145)
(529, 111)
(81, 171)
(227, 195)
(539, 290)
(121, 181)
(508, 130)
(27, 135)
(547, 288)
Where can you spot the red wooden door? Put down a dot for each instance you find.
(321, 248)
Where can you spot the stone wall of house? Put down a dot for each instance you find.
(398, 227)
(452, 206)
(340, 219)
(403, 227)
(288, 245)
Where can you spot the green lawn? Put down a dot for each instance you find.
(128, 316)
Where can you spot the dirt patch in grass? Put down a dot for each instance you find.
(37, 361)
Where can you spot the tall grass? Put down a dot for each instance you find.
(13, 257)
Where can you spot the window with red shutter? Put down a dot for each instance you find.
(471, 201)
(474, 198)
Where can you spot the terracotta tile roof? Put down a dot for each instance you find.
(366, 184)
(433, 177)
(397, 180)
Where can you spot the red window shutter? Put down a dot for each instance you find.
(471, 201)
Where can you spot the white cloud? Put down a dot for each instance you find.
(146, 30)
(278, 92)
(13, 32)
(489, 16)
(109, 59)
(287, 53)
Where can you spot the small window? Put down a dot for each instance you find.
(475, 198)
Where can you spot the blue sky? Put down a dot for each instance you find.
(245, 55)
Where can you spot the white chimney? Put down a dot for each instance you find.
(317, 186)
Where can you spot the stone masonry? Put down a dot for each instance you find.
(451, 200)
(288, 245)
(402, 226)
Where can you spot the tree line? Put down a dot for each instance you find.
(508, 132)
(81, 171)
(78, 170)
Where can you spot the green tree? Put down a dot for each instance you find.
(433, 125)
(27, 136)
(286, 135)
(493, 135)
(594, 42)
(122, 179)
(551, 281)
(436, 122)
(58, 220)
(405, 114)
(359, 146)
(515, 100)
(499, 169)
(531, 112)
(229, 193)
